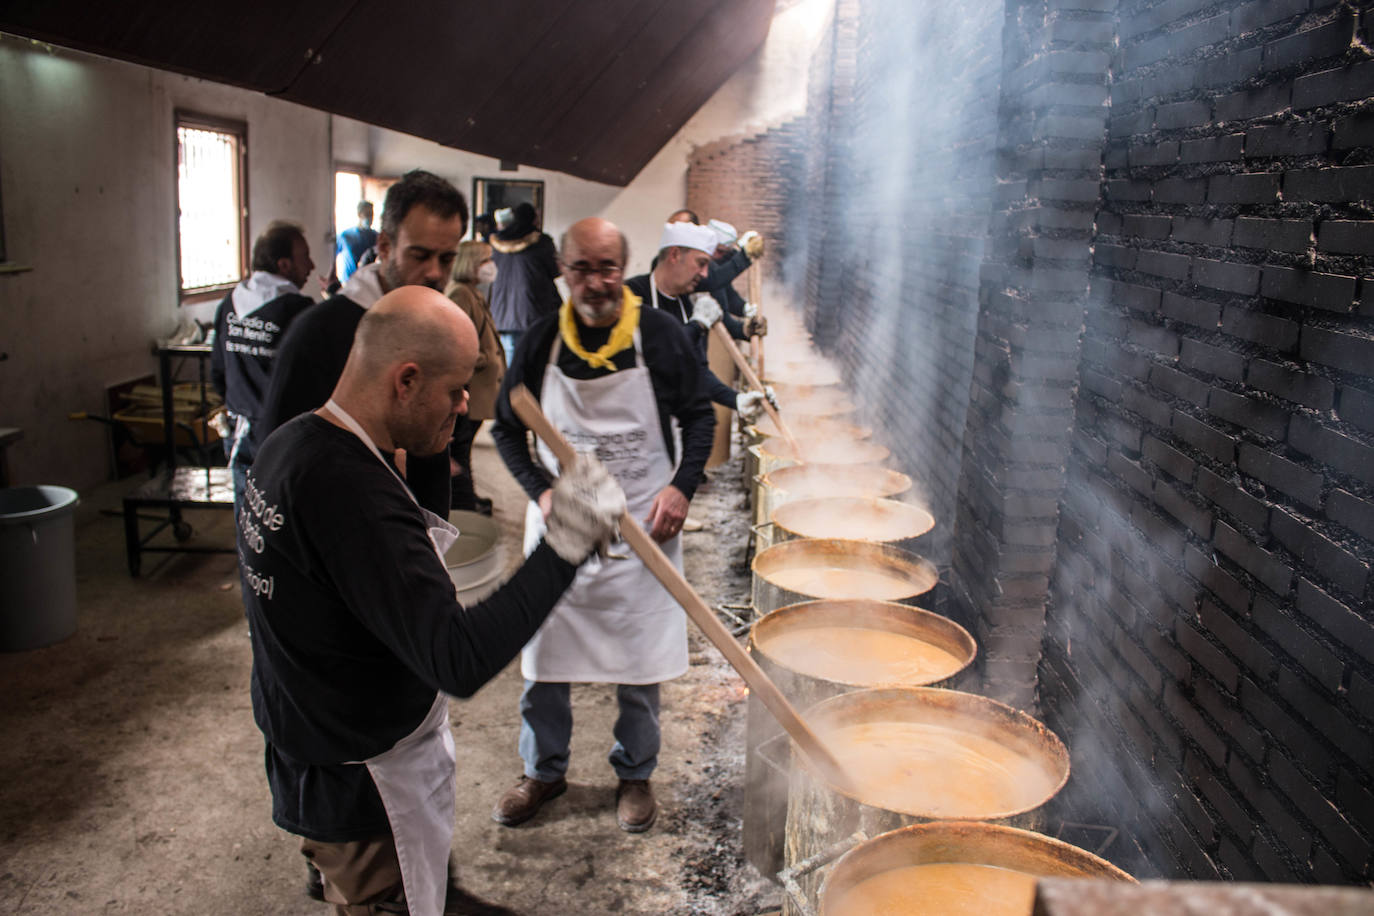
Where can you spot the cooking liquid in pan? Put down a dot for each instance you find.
(847, 582)
(853, 519)
(939, 889)
(857, 655)
(932, 770)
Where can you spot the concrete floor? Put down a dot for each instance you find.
(133, 770)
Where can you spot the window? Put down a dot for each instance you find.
(212, 210)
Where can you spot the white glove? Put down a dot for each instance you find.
(750, 310)
(748, 404)
(752, 243)
(706, 311)
(586, 507)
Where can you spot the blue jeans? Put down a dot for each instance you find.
(546, 730)
(509, 339)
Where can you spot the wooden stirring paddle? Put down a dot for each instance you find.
(529, 412)
(723, 336)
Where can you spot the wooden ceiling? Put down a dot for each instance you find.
(592, 88)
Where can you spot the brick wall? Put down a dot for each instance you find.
(891, 223)
(1101, 271)
(746, 181)
(1209, 613)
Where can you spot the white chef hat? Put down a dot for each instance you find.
(686, 235)
(725, 232)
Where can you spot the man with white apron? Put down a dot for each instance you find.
(614, 379)
(684, 254)
(358, 636)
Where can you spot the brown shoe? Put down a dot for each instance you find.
(635, 808)
(523, 800)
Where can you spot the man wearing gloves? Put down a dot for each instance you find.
(248, 326)
(684, 252)
(356, 628)
(730, 259)
(611, 376)
(732, 256)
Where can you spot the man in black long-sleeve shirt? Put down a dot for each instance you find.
(356, 629)
(423, 220)
(611, 376)
(684, 253)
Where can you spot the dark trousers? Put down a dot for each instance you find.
(460, 450)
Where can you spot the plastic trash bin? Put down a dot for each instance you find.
(37, 566)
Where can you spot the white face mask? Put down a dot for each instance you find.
(486, 272)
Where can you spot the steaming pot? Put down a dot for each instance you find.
(813, 481)
(819, 815)
(806, 679)
(883, 520)
(957, 843)
(803, 570)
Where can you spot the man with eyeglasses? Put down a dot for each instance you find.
(611, 375)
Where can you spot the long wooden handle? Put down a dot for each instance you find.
(728, 342)
(529, 412)
(756, 297)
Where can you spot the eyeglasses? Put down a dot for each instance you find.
(606, 272)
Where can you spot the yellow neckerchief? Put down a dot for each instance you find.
(622, 335)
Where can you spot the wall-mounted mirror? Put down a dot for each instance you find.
(491, 194)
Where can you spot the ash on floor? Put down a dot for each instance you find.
(134, 776)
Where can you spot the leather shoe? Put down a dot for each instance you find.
(635, 808)
(523, 800)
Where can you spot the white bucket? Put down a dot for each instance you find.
(475, 561)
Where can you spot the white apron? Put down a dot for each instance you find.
(416, 778)
(615, 624)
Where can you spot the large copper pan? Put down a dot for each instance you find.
(815, 402)
(815, 481)
(806, 428)
(773, 452)
(816, 650)
(959, 843)
(804, 570)
(886, 521)
(904, 748)
(811, 371)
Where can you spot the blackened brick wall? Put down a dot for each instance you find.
(1152, 445)
(1209, 612)
(893, 224)
(1034, 287)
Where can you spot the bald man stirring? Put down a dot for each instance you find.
(356, 629)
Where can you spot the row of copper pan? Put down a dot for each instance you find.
(839, 537)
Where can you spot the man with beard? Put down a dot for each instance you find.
(612, 377)
(423, 220)
(356, 628)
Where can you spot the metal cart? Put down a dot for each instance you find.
(176, 488)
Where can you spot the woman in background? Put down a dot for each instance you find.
(473, 266)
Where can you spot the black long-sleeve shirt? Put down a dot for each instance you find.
(681, 310)
(355, 623)
(309, 361)
(719, 277)
(673, 370)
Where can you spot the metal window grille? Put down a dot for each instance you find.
(208, 194)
